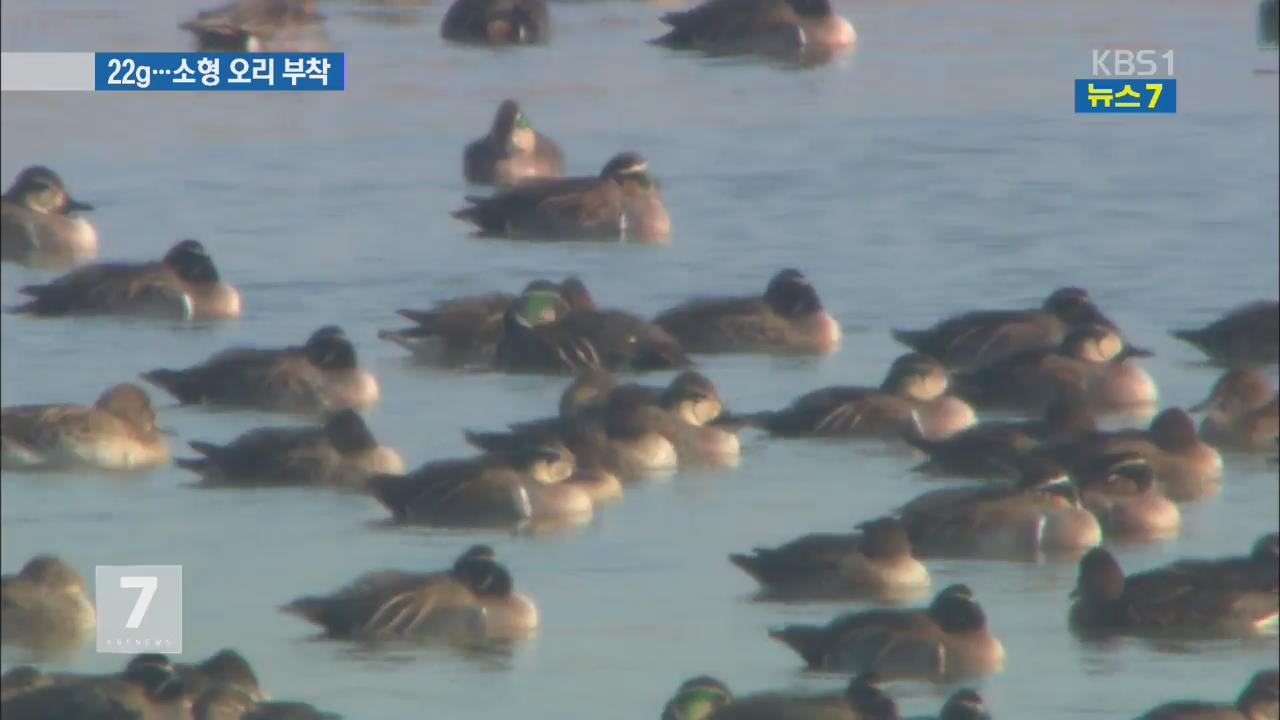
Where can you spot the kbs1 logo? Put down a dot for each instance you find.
(1129, 81)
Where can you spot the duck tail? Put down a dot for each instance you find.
(750, 564)
(1195, 337)
(492, 442)
(393, 491)
(182, 384)
(206, 449)
(806, 640)
(914, 339)
(312, 609)
(195, 465)
(737, 421)
(43, 302)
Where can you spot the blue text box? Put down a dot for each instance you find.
(278, 72)
(1127, 95)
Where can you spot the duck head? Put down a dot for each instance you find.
(329, 349)
(956, 610)
(191, 262)
(1237, 391)
(348, 433)
(1100, 577)
(790, 295)
(697, 699)
(884, 538)
(692, 396)
(628, 168)
(916, 376)
(131, 404)
(40, 189)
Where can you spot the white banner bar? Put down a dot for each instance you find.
(46, 71)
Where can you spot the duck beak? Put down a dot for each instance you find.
(73, 205)
(1133, 351)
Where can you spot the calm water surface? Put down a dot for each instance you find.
(938, 168)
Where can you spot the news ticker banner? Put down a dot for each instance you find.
(160, 72)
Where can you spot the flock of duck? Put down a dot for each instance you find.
(1053, 484)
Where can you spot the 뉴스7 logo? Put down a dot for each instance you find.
(147, 584)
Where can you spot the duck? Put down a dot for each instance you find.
(118, 433)
(497, 22)
(978, 337)
(540, 337)
(1163, 600)
(473, 599)
(992, 449)
(320, 376)
(225, 667)
(1092, 358)
(622, 203)
(907, 401)
(1246, 335)
(1257, 571)
(1121, 491)
(260, 26)
(511, 152)
(1242, 412)
(1042, 513)
(805, 29)
(945, 641)
(46, 607)
(875, 562)
(184, 285)
(341, 453)
(1260, 700)
(467, 330)
(706, 698)
(37, 226)
(141, 691)
(223, 702)
(788, 319)
(509, 489)
(1186, 467)
(703, 433)
(622, 432)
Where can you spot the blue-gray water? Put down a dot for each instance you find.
(936, 169)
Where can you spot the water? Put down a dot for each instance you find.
(939, 168)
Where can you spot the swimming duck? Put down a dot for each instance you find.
(992, 449)
(876, 562)
(272, 26)
(1163, 599)
(699, 435)
(46, 606)
(341, 453)
(467, 330)
(1243, 412)
(475, 598)
(225, 667)
(622, 431)
(507, 489)
(1260, 700)
(809, 29)
(979, 337)
(512, 151)
(497, 22)
(539, 337)
(1042, 513)
(906, 402)
(1121, 491)
(184, 285)
(142, 691)
(1091, 358)
(787, 320)
(1247, 335)
(947, 640)
(36, 226)
(319, 376)
(118, 433)
(706, 698)
(1186, 468)
(622, 203)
